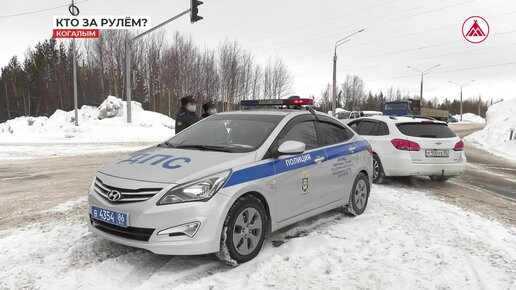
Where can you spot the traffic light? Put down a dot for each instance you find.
(194, 10)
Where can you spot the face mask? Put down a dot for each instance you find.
(212, 111)
(191, 108)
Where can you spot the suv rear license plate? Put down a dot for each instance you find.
(109, 216)
(437, 153)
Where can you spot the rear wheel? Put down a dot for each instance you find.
(359, 196)
(244, 231)
(439, 178)
(378, 173)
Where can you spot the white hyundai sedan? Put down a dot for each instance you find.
(405, 146)
(223, 184)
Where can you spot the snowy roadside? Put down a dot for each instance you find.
(10, 152)
(494, 138)
(404, 240)
(104, 124)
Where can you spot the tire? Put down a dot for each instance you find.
(439, 178)
(378, 174)
(359, 196)
(244, 231)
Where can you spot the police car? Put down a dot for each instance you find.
(223, 184)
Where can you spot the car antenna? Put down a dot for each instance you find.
(311, 110)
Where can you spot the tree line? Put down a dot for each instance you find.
(162, 72)
(352, 97)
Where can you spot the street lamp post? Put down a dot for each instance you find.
(337, 44)
(424, 72)
(461, 86)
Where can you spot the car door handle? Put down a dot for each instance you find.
(319, 159)
(352, 148)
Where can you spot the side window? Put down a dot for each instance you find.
(332, 134)
(354, 125)
(302, 132)
(383, 130)
(366, 128)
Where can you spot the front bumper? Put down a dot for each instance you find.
(147, 219)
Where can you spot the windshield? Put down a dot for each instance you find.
(396, 106)
(227, 132)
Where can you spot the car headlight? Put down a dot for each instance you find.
(199, 190)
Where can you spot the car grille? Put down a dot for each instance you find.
(132, 233)
(127, 195)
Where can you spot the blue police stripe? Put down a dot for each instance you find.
(251, 173)
(280, 166)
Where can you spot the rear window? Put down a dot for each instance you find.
(426, 130)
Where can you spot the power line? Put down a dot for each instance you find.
(413, 60)
(398, 52)
(394, 37)
(359, 24)
(38, 11)
(447, 71)
(412, 75)
(323, 21)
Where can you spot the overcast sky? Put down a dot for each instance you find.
(303, 33)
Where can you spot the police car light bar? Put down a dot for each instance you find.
(276, 102)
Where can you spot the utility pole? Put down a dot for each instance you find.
(461, 86)
(337, 44)
(423, 73)
(479, 104)
(75, 12)
(193, 10)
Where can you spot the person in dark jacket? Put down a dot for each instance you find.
(209, 109)
(186, 115)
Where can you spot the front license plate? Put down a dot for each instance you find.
(437, 153)
(109, 216)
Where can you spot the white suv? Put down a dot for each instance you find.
(405, 146)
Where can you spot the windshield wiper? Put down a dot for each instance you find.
(205, 147)
(167, 144)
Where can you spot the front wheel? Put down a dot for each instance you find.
(359, 196)
(244, 231)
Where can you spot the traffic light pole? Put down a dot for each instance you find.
(128, 46)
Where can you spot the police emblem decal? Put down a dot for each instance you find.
(304, 182)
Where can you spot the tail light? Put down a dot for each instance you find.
(402, 144)
(370, 149)
(459, 146)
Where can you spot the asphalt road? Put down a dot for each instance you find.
(488, 185)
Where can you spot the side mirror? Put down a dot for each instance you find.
(292, 147)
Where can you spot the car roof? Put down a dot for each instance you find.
(400, 119)
(280, 112)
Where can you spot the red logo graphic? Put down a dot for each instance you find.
(475, 29)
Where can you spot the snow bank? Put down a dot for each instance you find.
(494, 138)
(107, 123)
(470, 118)
(404, 240)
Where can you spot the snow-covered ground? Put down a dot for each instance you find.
(494, 138)
(11, 152)
(107, 123)
(405, 240)
(470, 118)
